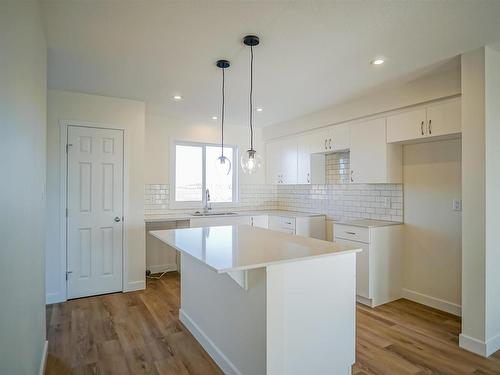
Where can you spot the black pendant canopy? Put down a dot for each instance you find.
(251, 40)
(223, 64)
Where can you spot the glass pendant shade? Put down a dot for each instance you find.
(223, 165)
(251, 162)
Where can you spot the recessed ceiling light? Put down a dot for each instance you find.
(177, 97)
(377, 61)
(259, 109)
(214, 117)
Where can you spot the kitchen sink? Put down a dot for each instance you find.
(198, 213)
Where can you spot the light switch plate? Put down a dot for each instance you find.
(457, 205)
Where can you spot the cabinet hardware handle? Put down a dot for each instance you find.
(308, 178)
(288, 222)
(326, 141)
(430, 126)
(353, 233)
(422, 128)
(330, 143)
(352, 172)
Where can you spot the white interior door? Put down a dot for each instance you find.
(95, 211)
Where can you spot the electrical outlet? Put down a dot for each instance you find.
(457, 205)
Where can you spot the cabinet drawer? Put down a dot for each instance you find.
(287, 223)
(352, 233)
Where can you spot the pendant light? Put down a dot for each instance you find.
(223, 164)
(251, 161)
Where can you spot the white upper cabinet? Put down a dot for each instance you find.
(339, 138)
(331, 139)
(434, 120)
(273, 162)
(282, 161)
(372, 159)
(444, 118)
(289, 161)
(318, 140)
(303, 161)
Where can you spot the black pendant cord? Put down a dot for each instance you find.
(223, 109)
(251, 97)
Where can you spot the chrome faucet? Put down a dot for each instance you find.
(207, 207)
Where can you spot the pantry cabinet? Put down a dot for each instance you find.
(372, 160)
(433, 120)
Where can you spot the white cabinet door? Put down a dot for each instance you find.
(260, 221)
(444, 118)
(339, 138)
(372, 159)
(273, 162)
(303, 162)
(318, 140)
(289, 161)
(362, 267)
(407, 125)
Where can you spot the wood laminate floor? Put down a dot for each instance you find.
(139, 333)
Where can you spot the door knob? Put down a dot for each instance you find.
(117, 219)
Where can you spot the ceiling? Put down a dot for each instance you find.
(312, 53)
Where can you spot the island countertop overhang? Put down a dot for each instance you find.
(232, 248)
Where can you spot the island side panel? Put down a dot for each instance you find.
(227, 320)
(311, 312)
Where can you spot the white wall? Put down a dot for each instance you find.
(433, 240)
(481, 203)
(161, 130)
(22, 187)
(492, 124)
(110, 112)
(434, 86)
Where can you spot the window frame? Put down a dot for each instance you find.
(173, 203)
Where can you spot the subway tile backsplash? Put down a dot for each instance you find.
(337, 199)
(251, 197)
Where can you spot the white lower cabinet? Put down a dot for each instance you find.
(261, 221)
(197, 222)
(307, 226)
(378, 265)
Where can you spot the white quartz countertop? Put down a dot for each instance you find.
(368, 223)
(188, 216)
(243, 247)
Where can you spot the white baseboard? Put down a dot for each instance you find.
(135, 285)
(222, 361)
(492, 345)
(159, 268)
(434, 302)
(51, 298)
(43, 360)
(472, 345)
(484, 349)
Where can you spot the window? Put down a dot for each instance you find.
(195, 171)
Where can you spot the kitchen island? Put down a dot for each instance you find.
(265, 302)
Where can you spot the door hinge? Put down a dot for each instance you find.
(67, 274)
(68, 147)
